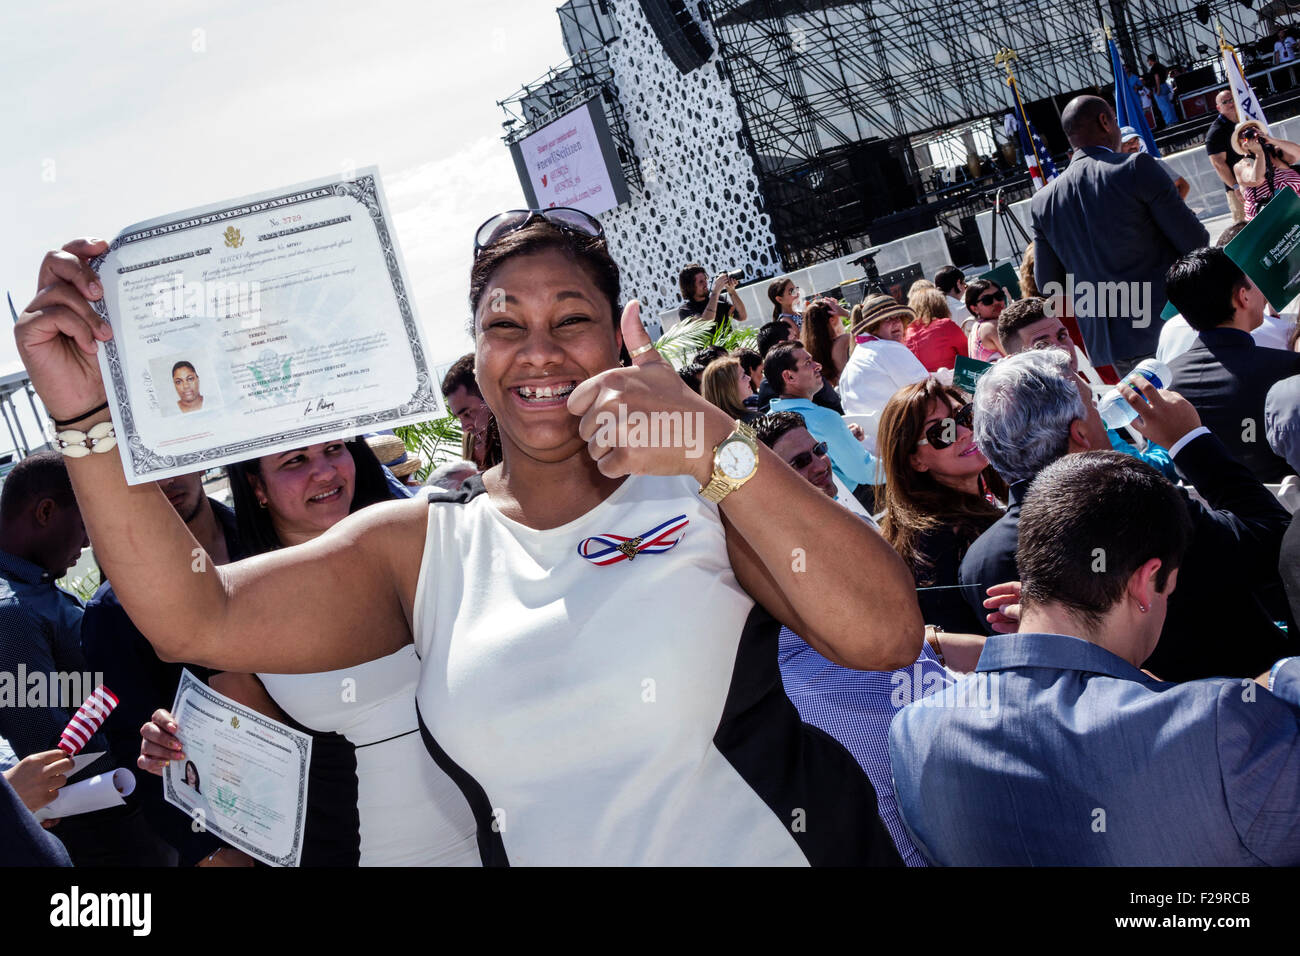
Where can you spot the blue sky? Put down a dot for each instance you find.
(116, 113)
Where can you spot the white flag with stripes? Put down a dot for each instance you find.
(1248, 106)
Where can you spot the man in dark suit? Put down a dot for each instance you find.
(1225, 374)
(1114, 223)
(1030, 410)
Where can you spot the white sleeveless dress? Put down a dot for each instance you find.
(409, 811)
(600, 710)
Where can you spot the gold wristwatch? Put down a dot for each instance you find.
(735, 461)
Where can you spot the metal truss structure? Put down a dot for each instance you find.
(830, 91)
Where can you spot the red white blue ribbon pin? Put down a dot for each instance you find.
(603, 549)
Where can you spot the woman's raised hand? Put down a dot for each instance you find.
(59, 333)
(644, 420)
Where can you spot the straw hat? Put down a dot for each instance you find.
(878, 309)
(386, 447)
(392, 454)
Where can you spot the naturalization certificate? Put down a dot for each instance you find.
(245, 776)
(259, 325)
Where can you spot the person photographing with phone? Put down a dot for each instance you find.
(1265, 168)
(703, 302)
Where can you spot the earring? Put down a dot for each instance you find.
(261, 503)
(1142, 608)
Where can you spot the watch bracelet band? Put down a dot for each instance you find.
(720, 485)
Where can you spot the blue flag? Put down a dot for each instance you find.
(1128, 105)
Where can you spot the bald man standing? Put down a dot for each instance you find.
(1114, 224)
(1218, 143)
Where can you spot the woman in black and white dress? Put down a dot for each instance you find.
(598, 664)
(373, 796)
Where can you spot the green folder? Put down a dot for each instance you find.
(1268, 249)
(966, 372)
(1007, 277)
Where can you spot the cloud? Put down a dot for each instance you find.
(436, 206)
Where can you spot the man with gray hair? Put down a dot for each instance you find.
(1030, 410)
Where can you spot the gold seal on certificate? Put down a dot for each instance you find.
(244, 780)
(258, 325)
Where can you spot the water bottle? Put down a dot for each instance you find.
(1115, 411)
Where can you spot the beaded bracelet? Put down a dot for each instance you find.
(77, 444)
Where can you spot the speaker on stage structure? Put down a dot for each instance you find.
(679, 32)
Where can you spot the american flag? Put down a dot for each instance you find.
(1037, 156)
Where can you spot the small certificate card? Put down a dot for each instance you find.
(259, 325)
(245, 778)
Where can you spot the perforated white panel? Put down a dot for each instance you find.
(701, 201)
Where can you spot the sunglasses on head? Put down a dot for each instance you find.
(502, 224)
(802, 460)
(990, 297)
(1249, 134)
(934, 435)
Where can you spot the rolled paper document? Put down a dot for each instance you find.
(99, 792)
(88, 718)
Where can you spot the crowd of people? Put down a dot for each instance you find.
(1012, 633)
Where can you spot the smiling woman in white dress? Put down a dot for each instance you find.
(598, 652)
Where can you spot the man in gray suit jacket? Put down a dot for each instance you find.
(1114, 224)
(1058, 750)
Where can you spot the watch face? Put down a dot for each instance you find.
(736, 460)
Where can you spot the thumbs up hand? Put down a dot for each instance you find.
(644, 420)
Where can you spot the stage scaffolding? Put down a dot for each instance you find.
(587, 27)
(828, 90)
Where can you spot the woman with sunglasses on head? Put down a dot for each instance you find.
(985, 300)
(940, 494)
(601, 685)
(1265, 168)
(373, 798)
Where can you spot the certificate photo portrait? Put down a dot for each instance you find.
(185, 384)
(192, 776)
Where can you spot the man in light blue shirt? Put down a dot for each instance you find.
(795, 378)
(1059, 751)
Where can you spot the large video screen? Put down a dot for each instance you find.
(572, 162)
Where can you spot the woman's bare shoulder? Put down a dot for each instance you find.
(395, 527)
(391, 536)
